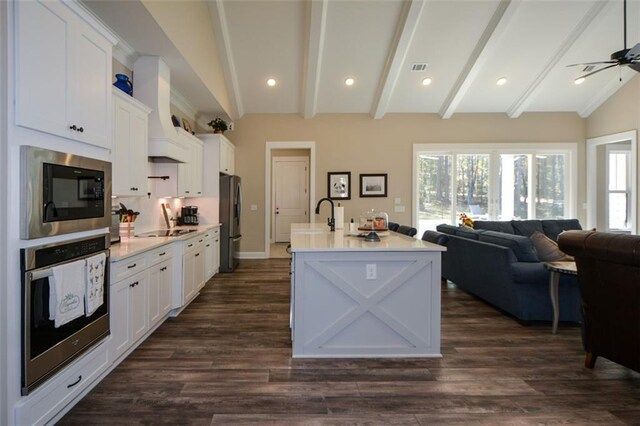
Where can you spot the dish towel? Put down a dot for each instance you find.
(94, 281)
(66, 292)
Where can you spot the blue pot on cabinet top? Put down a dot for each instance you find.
(123, 83)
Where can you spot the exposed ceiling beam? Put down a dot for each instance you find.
(519, 106)
(221, 31)
(404, 34)
(317, 22)
(484, 49)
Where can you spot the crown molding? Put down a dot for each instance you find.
(125, 54)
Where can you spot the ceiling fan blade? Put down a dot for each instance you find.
(594, 63)
(635, 66)
(633, 53)
(597, 71)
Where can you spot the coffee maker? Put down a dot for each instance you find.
(189, 215)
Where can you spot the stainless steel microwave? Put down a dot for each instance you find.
(63, 193)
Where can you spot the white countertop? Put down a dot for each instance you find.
(128, 247)
(318, 237)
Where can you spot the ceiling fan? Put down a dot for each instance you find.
(624, 57)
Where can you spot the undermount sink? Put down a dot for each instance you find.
(166, 233)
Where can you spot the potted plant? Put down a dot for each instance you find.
(218, 125)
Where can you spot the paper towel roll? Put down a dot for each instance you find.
(338, 213)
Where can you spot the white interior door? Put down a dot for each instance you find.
(291, 194)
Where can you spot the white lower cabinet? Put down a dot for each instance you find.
(49, 401)
(193, 264)
(141, 298)
(211, 253)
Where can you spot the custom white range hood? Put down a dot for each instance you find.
(152, 87)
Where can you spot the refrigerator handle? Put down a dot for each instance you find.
(239, 204)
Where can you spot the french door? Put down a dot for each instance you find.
(492, 184)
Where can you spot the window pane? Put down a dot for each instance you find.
(472, 182)
(618, 171)
(550, 191)
(513, 201)
(434, 191)
(618, 210)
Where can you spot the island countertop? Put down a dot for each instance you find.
(318, 237)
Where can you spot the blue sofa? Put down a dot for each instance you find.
(497, 262)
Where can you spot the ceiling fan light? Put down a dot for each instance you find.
(579, 80)
(271, 82)
(349, 81)
(501, 81)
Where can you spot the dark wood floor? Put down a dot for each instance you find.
(227, 359)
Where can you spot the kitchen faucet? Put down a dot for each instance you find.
(331, 222)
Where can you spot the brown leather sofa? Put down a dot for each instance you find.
(609, 275)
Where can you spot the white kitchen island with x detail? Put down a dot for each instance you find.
(351, 298)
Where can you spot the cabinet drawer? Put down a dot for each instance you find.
(41, 406)
(125, 268)
(194, 243)
(159, 255)
(211, 233)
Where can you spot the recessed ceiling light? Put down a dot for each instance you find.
(501, 81)
(271, 82)
(349, 81)
(426, 81)
(579, 80)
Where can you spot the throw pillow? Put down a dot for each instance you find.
(547, 249)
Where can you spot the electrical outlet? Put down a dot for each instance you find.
(372, 272)
(254, 207)
(398, 200)
(398, 209)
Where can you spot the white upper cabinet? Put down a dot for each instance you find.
(219, 157)
(190, 173)
(227, 156)
(63, 72)
(130, 130)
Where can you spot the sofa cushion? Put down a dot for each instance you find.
(466, 232)
(447, 229)
(435, 237)
(521, 246)
(494, 225)
(526, 227)
(547, 249)
(553, 228)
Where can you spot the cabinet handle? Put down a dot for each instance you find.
(190, 245)
(80, 129)
(208, 245)
(75, 383)
(73, 127)
(132, 266)
(162, 254)
(200, 241)
(134, 284)
(186, 192)
(197, 254)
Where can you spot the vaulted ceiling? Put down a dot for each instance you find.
(311, 47)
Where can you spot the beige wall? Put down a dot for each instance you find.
(360, 144)
(619, 113)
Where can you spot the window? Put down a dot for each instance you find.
(493, 183)
(618, 190)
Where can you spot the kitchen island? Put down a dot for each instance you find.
(351, 298)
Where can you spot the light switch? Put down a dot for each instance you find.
(372, 272)
(398, 200)
(398, 209)
(254, 207)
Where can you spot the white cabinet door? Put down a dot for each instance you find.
(138, 285)
(209, 252)
(128, 312)
(63, 74)
(90, 105)
(216, 254)
(227, 157)
(190, 173)
(199, 268)
(159, 300)
(130, 128)
(188, 275)
(120, 300)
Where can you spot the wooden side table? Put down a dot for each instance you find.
(557, 268)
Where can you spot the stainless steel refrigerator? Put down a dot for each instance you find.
(230, 232)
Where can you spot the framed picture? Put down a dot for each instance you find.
(186, 125)
(373, 185)
(339, 185)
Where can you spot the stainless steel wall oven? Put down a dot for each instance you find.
(47, 348)
(63, 193)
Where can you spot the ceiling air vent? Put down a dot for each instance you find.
(419, 66)
(588, 68)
